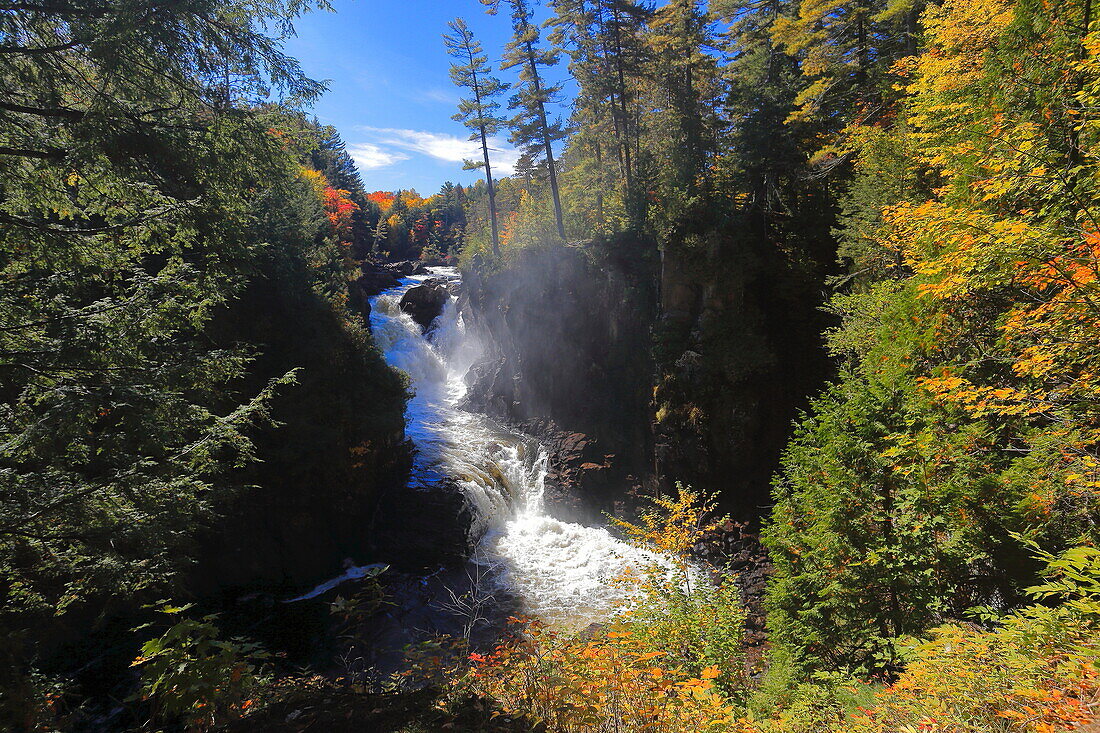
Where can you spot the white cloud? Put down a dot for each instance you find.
(440, 96)
(448, 148)
(369, 156)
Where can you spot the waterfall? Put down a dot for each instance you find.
(560, 571)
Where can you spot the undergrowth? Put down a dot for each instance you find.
(673, 661)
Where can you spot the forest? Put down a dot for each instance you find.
(760, 395)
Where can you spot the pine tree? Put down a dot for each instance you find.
(531, 130)
(381, 233)
(844, 46)
(681, 34)
(331, 158)
(528, 168)
(604, 41)
(762, 157)
(471, 71)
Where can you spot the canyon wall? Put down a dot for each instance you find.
(687, 364)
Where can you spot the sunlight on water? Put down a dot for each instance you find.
(562, 572)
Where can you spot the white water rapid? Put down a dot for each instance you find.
(561, 572)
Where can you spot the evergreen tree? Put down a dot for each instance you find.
(531, 130)
(764, 154)
(331, 158)
(528, 168)
(134, 158)
(844, 48)
(605, 43)
(381, 234)
(471, 71)
(681, 40)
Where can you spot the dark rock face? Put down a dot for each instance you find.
(583, 481)
(738, 352)
(733, 547)
(421, 608)
(442, 261)
(698, 384)
(567, 336)
(376, 278)
(420, 527)
(425, 302)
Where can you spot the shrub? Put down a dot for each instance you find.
(189, 673)
(1035, 673)
(696, 624)
(607, 681)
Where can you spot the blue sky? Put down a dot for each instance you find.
(390, 95)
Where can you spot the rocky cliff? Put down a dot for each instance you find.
(567, 332)
(738, 351)
(688, 367)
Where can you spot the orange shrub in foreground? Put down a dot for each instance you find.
(610, 680)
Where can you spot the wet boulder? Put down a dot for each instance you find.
(376, 278)
(410, 267)
(425, 302)
(423, 525)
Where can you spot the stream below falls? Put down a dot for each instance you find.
(558, 571)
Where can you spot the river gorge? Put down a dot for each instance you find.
(560, 571)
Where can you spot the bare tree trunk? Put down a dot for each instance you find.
(492, 193)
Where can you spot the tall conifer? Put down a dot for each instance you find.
(531, 128)
(471, 71)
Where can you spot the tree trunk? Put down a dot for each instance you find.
(628, 172)
(546, 142)
(485, 158)
(492, 193)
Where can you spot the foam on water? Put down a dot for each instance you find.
(562, 572)
(566, 573)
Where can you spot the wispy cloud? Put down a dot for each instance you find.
(369, 156)
(445, 147)
(440, 96)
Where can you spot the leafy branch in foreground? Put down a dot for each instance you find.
(189, 672)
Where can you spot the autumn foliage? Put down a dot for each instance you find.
(611, 680)
(965, 420)
(384, 199)
(1035, 672)
(339, 209)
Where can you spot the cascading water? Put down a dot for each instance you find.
(560, 571)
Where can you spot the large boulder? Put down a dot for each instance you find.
(376, 278)
(423, 525)
(410, 267)
(425, 302)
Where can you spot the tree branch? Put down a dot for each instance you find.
(36, 51)
(47, 154)
(63, 112)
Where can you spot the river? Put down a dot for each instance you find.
(558, 571)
